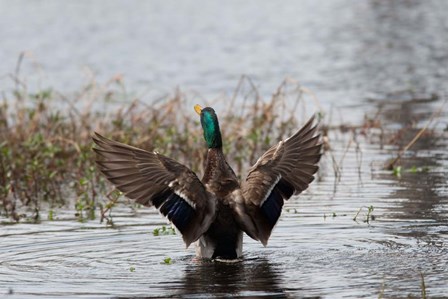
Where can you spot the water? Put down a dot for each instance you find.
(359, 57)
(342, 50)
(316, 250)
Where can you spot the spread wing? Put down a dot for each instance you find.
(284, 170)
(152, 179)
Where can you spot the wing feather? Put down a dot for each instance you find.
(285, 169)
(152, 179)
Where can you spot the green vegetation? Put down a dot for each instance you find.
(167, 261)
(164, 231)
(398, 170)
(51, 215)
(46, 157)
(46, 160)
(423, 286)
(368, 216)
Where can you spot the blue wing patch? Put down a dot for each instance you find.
(272, 207)
(178, 211)
(160, 198)
(285, 188)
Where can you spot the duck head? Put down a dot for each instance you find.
(210, 125)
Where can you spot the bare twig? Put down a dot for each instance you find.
(391, 165)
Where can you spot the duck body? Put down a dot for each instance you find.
(217, 210)
(224, 238)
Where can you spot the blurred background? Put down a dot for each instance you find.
(343, 50)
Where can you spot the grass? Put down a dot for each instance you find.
(423, 289)
(46, 160)
(423, 286)
(398, 170)
(368, 216)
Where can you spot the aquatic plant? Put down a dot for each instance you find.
(164, 231)
(46, 161)
(391, 165)
(399, 170)
(423, 286)
(368, 216)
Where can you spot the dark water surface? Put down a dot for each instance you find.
(359, 57)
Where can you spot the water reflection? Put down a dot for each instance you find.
(420, 194)
(248, 278)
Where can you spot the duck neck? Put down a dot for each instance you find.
(210, 126)
(218, 177)
(213, 162)
(213, 138)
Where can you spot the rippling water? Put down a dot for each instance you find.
(360, 57)
(316, 250)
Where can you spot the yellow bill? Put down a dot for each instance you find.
(198, 109)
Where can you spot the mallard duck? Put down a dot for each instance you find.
(216, 210)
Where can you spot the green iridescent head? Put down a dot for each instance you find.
(210, 125)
